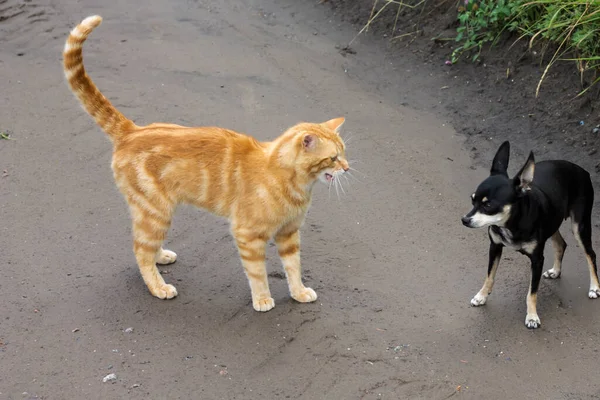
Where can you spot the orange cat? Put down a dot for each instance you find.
(264, 189)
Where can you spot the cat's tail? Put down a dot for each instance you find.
(106, 115)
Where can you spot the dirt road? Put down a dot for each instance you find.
(393, 266)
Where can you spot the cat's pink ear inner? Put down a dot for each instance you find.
(309, 141)
(335, 124)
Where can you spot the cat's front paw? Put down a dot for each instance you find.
(305, 295)
(263, 305)
(164, 291)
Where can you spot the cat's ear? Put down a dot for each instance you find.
(309, 141)
(335, 124)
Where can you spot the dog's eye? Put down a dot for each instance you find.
(486, 205)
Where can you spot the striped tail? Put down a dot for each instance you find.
(104, 113)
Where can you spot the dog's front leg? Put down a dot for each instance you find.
(532, 321)
(494, 255)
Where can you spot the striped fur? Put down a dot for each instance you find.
(263, 188)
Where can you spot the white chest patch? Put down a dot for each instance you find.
(506, 238)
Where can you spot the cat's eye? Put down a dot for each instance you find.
(334, 158)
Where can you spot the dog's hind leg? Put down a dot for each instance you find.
(559, 245)
(494, 259)
(582, 229)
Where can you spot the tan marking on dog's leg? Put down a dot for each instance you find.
(481, 296)
(559, 245)
(532, 321)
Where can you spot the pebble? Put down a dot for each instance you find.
(596, 129)
(109, 378)
(129, 330)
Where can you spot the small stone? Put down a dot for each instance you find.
(109, 378)
(129, 330)
(223, 372)
(592, 152)
(596, 130)
(135, 385)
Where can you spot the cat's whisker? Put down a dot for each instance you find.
(347, 180)
(353, 177)
(360, 172)
(330, 182)
(336, 187)
(340, 182)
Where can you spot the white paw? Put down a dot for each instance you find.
(166, 257)
(305, 295)
(594, 293)
(164, 291)
(552, 274)
(478, 300)
(264, 304)
(532, 321)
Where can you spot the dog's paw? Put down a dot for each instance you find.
(263, 305)
(552, 274)
(166, 257)
(532, 321)
(306, 295)
(594, 293)
(478, 300)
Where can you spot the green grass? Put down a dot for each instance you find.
(571, 28)
(565, 30)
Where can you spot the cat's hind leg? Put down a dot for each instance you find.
(149, 231)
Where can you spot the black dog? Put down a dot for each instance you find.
(524, 212)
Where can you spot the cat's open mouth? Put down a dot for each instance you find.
(328, 177)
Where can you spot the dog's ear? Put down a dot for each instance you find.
(500, 163)
(525, 176)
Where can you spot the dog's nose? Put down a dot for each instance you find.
(466, 221)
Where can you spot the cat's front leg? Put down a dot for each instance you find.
(288, 246)
(251, 248)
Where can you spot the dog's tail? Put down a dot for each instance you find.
(104, 113)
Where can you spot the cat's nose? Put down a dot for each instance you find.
(346, 169)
